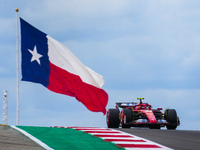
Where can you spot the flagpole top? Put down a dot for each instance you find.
(16, 9)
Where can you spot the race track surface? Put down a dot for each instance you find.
(11, 139)
(175, 139)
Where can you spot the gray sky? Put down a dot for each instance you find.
(143, 48)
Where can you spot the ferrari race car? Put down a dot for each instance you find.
(141, 115)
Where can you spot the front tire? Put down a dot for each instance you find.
(172, 119)
(127, 117)
(112, 118)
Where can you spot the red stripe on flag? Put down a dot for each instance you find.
(138, 146)
(63, 82)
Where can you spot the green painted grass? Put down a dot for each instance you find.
(68, 139)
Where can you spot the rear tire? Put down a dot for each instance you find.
(112, 118)
(127, 117)
(171, 117)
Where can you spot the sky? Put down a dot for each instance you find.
(142, 48)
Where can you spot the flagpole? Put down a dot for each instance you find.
(17, 47)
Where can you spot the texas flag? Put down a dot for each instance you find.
(48, 62)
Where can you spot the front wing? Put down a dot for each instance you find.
(145, 123)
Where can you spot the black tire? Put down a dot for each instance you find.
(127, 117)
(112, 118)
(171, 117)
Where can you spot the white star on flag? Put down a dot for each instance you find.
(35, 55)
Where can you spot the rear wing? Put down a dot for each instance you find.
(125, 104)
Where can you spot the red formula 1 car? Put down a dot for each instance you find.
(141, 115)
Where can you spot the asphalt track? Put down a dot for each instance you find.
(175, 139)
(10, 139)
